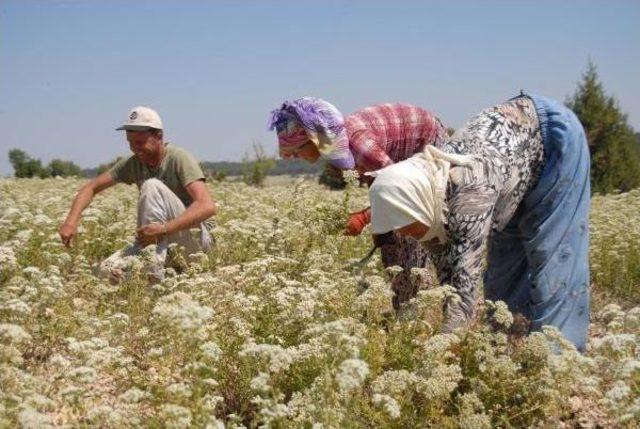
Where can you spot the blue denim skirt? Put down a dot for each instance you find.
(539, 264)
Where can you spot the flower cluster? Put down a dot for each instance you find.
(273, 327)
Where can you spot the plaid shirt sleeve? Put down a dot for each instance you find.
(387, 133)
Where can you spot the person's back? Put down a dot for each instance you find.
(398, 130)
(506, 141)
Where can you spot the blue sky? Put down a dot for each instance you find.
(71, 70)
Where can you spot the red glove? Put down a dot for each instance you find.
(357, 221)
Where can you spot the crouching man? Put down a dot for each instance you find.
(173, 196)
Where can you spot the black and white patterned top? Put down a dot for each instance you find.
(507, 144)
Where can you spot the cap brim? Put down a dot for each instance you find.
(135, 128)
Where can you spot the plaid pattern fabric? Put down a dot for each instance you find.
(384, 134)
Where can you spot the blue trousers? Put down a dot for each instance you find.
(539, 264)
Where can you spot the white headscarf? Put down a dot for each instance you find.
(413, 190)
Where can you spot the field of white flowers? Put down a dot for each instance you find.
(274, 328)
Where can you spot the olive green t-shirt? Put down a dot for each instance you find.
(177, 169)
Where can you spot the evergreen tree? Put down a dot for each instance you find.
(615, 155)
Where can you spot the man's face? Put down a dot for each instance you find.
(144, 145)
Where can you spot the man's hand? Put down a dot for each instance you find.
(67, 233)
(150, 233)
(357, 221)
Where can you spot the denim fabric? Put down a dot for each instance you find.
(539, 263)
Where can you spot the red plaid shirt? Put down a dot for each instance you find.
(387, 133)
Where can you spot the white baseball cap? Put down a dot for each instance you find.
(141, 118)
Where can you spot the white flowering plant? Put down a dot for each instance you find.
(271, 329)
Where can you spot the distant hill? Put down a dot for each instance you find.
(293, 167)
(281, 167)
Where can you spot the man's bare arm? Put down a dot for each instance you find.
(69, 228)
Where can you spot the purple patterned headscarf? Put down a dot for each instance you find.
(323, 124)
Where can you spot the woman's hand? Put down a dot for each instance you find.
(357, 221)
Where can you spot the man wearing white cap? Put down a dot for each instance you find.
(173, 196)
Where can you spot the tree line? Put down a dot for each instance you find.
(25, 166)
(613, 144)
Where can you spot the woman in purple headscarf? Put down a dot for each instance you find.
(310, 128)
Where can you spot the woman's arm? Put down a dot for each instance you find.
(462, 265)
